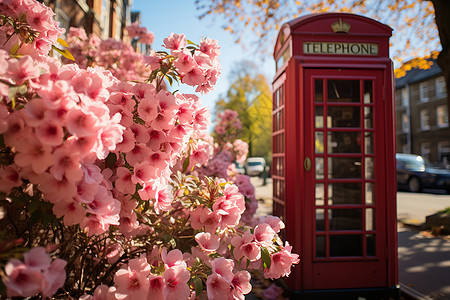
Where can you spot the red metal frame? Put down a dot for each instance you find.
(293, 140)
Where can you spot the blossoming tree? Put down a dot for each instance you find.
(98, 199)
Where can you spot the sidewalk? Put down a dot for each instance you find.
(423, 261)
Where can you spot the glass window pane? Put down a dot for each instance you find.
(320, 165)
(345, 245)
(344, 167)
(370, 239)
(368, 142)
(368, 117)
(320, 219)
(320, 194)
(344, 193)
(345, 219)
(343, 91)
(318, 86)
(369, 193)
(320, 246)
(370, 219)
(369, 168)
(319, 142)
(368, 91)
(344, 142)
(344, 116)
(319, 116)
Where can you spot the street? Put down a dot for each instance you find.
(414, 207)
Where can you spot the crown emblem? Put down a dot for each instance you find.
(340, 26)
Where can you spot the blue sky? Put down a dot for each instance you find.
(180, 16)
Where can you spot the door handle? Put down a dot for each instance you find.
(307, 164)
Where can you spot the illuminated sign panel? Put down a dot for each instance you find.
(340, 48)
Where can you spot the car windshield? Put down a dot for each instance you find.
(254, 163)
(414, 161)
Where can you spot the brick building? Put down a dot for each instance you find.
(422, 114)
(105, 18)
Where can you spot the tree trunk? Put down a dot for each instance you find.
(442, 19)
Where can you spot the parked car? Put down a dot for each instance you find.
(239, 167)
(416, 173)
(254, 166)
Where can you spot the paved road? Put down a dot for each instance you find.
(414, 207)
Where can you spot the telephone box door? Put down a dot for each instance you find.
(345, 189)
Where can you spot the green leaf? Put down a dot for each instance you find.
(186, 163)
(62, 42)
(64, 53)
(265, 257)
(153, 75)
(198, 285)
(14, 48)
(191, 43)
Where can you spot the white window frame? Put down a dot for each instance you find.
(404, 97)
(423, 91)
(440, 86)
(425, 125)
(442, 115)
(405, 122)
(443, 147)
(425, 150)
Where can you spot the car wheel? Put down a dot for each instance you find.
(414, 185)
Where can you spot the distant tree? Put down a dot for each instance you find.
(417, 24)
(249, 95)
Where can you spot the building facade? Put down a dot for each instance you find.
(422, 114)
(105, 18)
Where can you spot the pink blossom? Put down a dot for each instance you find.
(143, 172)
(175, 41)
(21, 281)
(156, 287)
(273, 221)
(273, 292)
(53, 278)
(194, 77)
(241, 284)
(281, 263)
(175, 280)
(71, 210)
(9, 178)
(37, 259)
(163, 201)
(124, 182)
(50, 133)
(264, 234)
(148, 109)
(139, 154)
(55, 190)
(66, 164)
(207, 241)
(217, 287)
(185, 61)
(31, 152)
(23, 69)
(131, 281)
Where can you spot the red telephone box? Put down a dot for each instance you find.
(334, 178)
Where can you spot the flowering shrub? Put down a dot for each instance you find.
(94, 187)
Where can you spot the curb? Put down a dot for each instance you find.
(409, 293)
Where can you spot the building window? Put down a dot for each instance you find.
(443, 149)
(404, 95)
(440, 86)
(425, 150)
(442, 116)
(405, 122)
(424, 119)
(423, 91)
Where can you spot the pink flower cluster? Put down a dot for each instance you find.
(37, 274)
(228, 121)
(115, 56)
(37, 36)
(135, 31)
(199, 67)
(58, 135)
